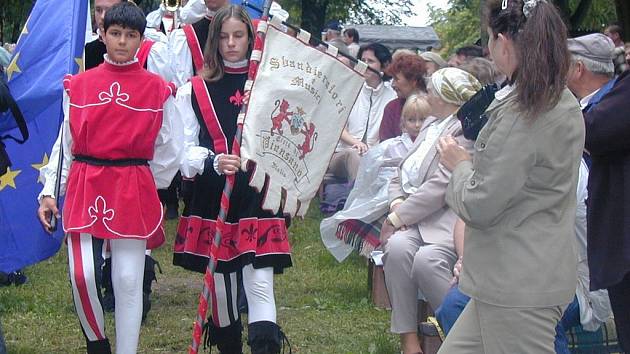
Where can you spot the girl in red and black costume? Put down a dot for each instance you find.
(118, 143)
(254, 245)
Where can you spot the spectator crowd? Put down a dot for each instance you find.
(492, 181)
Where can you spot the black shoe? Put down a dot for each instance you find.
(266, 337)
(99, 347)
(149, 278)
(109, 302)
(227, 339)
(18, 278)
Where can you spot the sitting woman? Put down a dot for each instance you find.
(407, 71)
(418, 232)
(358, 224)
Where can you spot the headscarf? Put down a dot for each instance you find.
(454, 85)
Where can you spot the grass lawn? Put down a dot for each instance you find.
(323, 306)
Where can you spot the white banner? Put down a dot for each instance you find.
(299, 104)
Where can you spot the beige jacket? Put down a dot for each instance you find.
(518, 200)
(426, 209)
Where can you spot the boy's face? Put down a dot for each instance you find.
(122, 43)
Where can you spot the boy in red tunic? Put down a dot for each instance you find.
(118, 143)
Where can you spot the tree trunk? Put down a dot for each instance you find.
(623, 16)
(565, 11)
(483, 31)
(580, 14)
(314, 15)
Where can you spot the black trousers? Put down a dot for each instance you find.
(619, 295)
(170, 196)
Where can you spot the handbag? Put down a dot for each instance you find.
(472, 113)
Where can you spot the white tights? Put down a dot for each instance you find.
(258, 284)
(85, 254)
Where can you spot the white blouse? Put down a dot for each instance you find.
(193, 156)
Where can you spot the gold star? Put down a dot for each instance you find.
(13, 67)
(8, 179)
(38, 166)
(79, 62)
(24, 30)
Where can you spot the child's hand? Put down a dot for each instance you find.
(47, 208)
(361, 147)
(229, 164)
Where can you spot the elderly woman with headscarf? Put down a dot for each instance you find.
(418, 232)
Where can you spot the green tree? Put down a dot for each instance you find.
(313, 14)
(13, 15)
(461, 23)
(458, 26)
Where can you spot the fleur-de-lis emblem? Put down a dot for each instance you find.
(237, 98)
(250, 232)
(99, 210)
(113, 94)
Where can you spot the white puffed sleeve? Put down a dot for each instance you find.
(193, 11)
(154, 18)
(193, 156)
(180, 57)
(168, 147)
(159, 61)
(155, 35)
(48, 173)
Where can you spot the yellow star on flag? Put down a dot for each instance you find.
(8, 179)
(13, 67)
(79, 62)
(38, 166)
(24, 30)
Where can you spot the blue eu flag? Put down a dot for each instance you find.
(50, 46)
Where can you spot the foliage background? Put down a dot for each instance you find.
(460, 25)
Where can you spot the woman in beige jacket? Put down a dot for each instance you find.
(420, 253)
(517, 194)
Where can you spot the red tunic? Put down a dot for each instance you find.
(115, 114)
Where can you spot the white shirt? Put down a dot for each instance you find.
(410, 170)
(353, 48)
(164, 165)
(365, 117)
(180, 57)
(587, 99)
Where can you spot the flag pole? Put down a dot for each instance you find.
(208, 283)
(53, 217)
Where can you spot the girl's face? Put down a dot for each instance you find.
(412, 124)
(233, 40)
